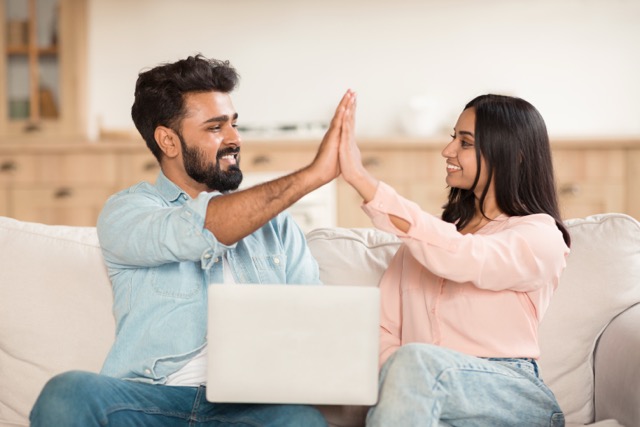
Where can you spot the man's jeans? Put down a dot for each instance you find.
(85, 399)
(426, 385)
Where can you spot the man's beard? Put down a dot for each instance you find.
(212, 176)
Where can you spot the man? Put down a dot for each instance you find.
(165, 243)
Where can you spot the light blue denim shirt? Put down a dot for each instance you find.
(160, 260)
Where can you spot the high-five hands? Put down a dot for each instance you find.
(339, 154)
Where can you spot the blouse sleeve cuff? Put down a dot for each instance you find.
(387, 201)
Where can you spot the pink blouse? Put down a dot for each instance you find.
(482, 294)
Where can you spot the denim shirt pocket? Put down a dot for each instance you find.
(177, 280)
(271, 268)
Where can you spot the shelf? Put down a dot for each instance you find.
(25, 50)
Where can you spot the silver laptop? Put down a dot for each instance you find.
(300, 344)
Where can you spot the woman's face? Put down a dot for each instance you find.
(460, 155)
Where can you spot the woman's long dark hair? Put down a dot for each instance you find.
(511, 136)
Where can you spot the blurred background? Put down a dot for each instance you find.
(577, 61)
(69, 69)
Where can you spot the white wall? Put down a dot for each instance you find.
(577, 61)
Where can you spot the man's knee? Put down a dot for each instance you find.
(308, 415)
(61, 396)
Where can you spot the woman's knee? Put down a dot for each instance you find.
(417, 354)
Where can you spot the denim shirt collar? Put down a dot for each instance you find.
(168, 189)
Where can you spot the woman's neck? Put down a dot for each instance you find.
(481, 218)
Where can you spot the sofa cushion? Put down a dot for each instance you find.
(56, 309)
(601, 280)
(352, 256)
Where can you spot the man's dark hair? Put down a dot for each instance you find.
(511, 136)
(160, 93)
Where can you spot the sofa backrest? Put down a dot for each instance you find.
(602, 279)
(55, 315)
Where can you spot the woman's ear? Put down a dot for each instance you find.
(167, 140)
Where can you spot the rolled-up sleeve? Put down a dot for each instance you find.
(139, 228)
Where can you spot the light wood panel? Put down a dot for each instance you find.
(592, 178)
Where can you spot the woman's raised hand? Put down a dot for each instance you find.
(351, 167)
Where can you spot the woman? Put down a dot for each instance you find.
(463, 297)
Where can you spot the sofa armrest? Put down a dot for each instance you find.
(617, 369)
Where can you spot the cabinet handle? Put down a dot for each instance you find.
(261, 160)
(8, 166)
(370, 162)
(62, 193)
(149, 166)
(569, 190)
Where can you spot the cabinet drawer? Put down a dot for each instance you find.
(59, 205)
(4, 202)
(137, 167)
(18, 169)
(589, 166)
(349, 212)
(263, 158)
(632, 194)
(385, 164)
(59, 168)
(590, 181)
(78, 168)
(584, 199)
(430, 195)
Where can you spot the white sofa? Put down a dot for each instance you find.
(55, 313)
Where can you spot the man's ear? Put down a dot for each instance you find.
(167, 140)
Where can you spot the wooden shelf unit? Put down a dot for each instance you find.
(44, 78)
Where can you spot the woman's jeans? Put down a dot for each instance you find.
(426, 385)
(85, 399)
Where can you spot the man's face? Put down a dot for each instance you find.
(210, 142)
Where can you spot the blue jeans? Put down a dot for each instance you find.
(427, 385)
(85, 399)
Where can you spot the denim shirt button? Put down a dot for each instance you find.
(276, 260)
(217, 259)
(147, 371)
(207, 256)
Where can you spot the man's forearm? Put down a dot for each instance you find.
(234, 216)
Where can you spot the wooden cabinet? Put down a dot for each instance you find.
(590, 180)
(416, 171)
(65, 205)
(4, 202)
(43, 67)
(68, 184)
(262, 161)
(137, 165)
(632, 192)
(57, 186)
